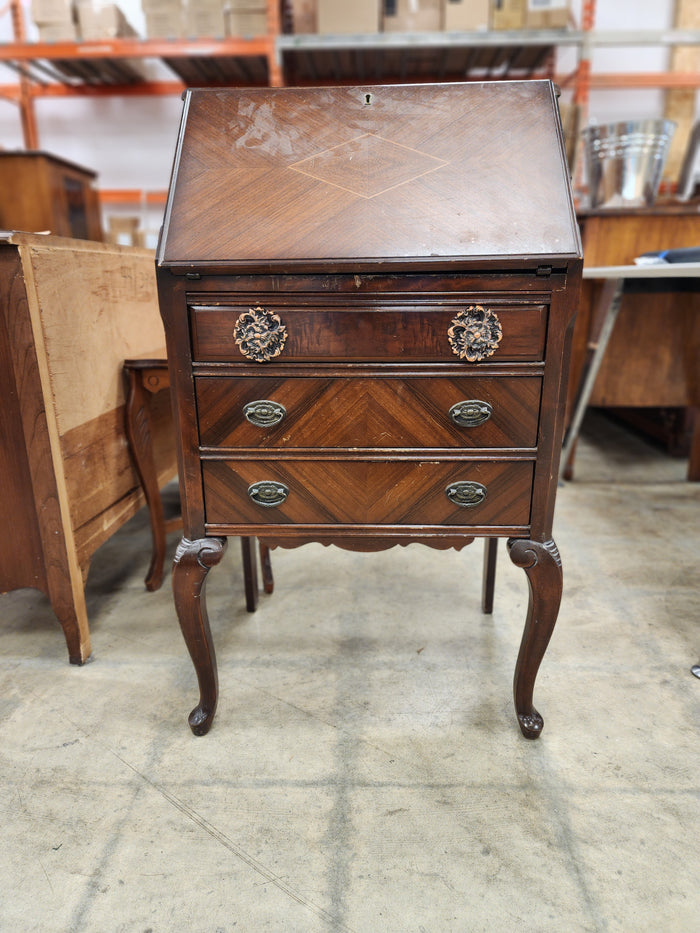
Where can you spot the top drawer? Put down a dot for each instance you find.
(493, 330)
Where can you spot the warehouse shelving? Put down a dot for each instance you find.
(106, 67)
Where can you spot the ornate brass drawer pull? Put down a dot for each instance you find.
(263, 413)
(475, 333)
(268, 493)
(470, 413)
(466, 494)
(260, 334)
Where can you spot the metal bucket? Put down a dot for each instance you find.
(625, 161)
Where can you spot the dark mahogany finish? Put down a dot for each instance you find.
(368, 297)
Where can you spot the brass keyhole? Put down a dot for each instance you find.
(368, 99)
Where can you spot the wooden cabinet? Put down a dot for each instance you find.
(70, 313)
(41, 193)
(368, 297)
(652, 358)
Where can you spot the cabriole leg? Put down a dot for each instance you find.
(542, 564)
(193, 560)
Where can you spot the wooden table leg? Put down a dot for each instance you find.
(694, 461)
(250, 573)
(266, 567)
(193, 560)
(138, 432)
(542, 564)
(488, 581)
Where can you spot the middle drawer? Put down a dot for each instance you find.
(370, 412)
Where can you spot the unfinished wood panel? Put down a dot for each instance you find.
(101, 299)
(72, 312)
(100, 471)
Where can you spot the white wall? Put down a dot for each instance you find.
(130, 141)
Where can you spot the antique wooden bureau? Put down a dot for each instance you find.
(368, 296)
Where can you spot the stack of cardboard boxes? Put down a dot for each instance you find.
(367, 16)
(71, 20)
(246, 18)
(204, 18)
(60, 20)
(530, 14)
(165, 19)
(55, 20)
(102, 21)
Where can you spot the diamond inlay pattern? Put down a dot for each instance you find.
(368, 165)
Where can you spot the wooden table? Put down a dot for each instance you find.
(663, 326)
(145, 378)
(619, 280)
(368, 297)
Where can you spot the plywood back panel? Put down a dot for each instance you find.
(98, 307)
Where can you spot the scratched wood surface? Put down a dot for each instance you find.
(352, 173)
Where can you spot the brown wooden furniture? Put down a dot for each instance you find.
(144, 379)
(70, 312)
(680, 281)
(41, 193)
(652, 358)
(368, 296)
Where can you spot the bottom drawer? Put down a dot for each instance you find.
(367, 492)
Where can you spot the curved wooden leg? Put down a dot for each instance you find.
(193, 560)
(138, 431)
(542, 564)
(67, 598)
(266, 567)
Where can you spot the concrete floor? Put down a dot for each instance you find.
(365, 771)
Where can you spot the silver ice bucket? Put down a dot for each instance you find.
(625, 161)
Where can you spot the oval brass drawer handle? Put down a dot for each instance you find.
(470, 413)
(263, 413)
(475, 333)
(466, 494)
(260, 334)
(268, 493)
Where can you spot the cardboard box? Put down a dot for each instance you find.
(508, 14)
(102, 22)
(52, 11)
(246, 23)
(202, 21)
(547, 14)
(412, 16)
(465, 15)
(166, 22)
(57, 32)
(304, 18)
(241, 6)
(343, 17)
(158, 6)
